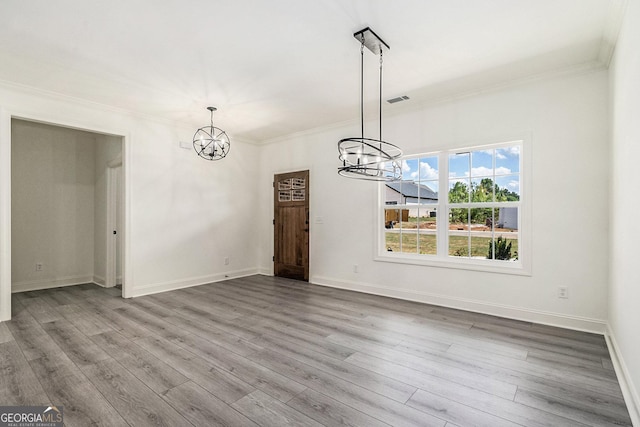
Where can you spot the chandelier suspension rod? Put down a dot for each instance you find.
(380, 96)
(362, 89)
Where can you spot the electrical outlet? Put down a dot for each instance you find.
(563, 292)
(226, 260)
(355, 268)
(38, 266)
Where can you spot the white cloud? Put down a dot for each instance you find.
(481, 171)
(484, 171)
(455, 175)
(427, 172)
(405, 167)
(514, 186)
(503, 153)
(453, 180)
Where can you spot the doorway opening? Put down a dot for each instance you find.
(291, 225)
(64, 183)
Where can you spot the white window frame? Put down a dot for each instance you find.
(522, 266)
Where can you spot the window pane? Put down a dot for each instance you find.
(505, 245)
(409, 241)
(392, 230)
(411, 222)
(459, 165)
(404, 220)
(506, 220)
(410, 193)
(459, 245)
(392, 240)
(482, 190)
(458, 219)
(391, 218)
(410, 170)
(458, 178)
(508, 188)
(429, 169)
(428, 192)
(458, 191)
(427, 217)
(505, 248)
(459, 232)
(393, 193)
(427, 241)
(508, 160)
(481, 231)
(482, 163)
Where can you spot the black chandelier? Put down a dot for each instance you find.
(369, 158)
(210, 142)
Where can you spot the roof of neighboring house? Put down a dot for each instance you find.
(413, 190)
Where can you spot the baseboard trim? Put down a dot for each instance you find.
(631, 396)
(36, 285)
(100, 281)
(187, 283)
(518, 313)
(265, 271)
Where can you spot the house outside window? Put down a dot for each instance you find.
(459, 208)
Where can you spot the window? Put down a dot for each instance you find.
(461, 208)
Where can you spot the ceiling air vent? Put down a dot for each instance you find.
(397, 99)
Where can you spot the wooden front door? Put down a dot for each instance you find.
(291, 225)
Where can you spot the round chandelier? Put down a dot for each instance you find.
(369, 158)
(210, 142)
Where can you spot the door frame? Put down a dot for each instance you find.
(112, 221)
(43, 113)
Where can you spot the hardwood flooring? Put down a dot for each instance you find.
(274, 352)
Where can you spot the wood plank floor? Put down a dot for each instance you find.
(273, 352)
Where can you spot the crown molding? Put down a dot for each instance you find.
(615, 18)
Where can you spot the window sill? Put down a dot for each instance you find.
(500, 267)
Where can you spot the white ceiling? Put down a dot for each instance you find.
(281, 66)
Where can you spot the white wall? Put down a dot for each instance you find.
(108, 148)
(188, 214)
(566, 119)
(624, 292)
(52, 205)
(183, 214)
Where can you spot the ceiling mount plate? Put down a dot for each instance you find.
(371, 40)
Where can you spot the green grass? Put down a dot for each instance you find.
(422, 219)
(458, 245)
(428, 243)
